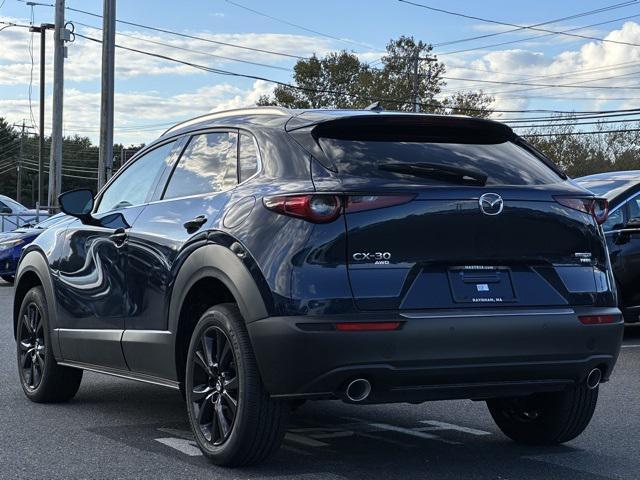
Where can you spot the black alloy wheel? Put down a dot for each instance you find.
(31, 341)
(233, 418)
(215, 383)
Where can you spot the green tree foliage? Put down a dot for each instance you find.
(341, 80)
(79, 163)
(580, 155)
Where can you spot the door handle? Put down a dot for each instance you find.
(195, 223)
(119, 236)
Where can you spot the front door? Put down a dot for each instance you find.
(92, 270)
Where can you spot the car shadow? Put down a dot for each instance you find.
(325, 440)
(632, 332)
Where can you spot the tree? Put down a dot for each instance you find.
(341, 80)
(337, 81)
(9, 151)
(581, 155)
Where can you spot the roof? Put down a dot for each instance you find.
(626, 175)
(293, 119)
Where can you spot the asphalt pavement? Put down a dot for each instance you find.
(121, 429)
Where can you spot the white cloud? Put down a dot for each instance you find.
(610, 62)
(83, 62)
(140, 116)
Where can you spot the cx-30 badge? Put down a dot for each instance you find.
(491, 204)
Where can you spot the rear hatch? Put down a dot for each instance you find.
(448, 212)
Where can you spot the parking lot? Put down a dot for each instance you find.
(120, 429)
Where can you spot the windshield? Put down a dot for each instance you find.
(502, 163)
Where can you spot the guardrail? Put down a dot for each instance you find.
(11, 221)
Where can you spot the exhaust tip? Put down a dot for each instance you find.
(358, 390)
(593, 379)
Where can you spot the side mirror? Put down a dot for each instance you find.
(77, 203)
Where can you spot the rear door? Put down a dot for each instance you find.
(187, 205)
(474, 220)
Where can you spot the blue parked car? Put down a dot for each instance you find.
(12, 243)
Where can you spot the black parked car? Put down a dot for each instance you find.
(258, 257)
(622, 230)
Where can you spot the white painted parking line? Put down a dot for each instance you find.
(437, 425)
(630, 346)
(188, 447)
(407, 431)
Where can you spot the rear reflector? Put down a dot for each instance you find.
(597, 319)
(367, 327)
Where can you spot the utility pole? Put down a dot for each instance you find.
(42, 29)
(55, 163)
(23, 126)
(415, 91)
(19, 181)
(105, 159)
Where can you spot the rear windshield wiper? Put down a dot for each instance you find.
(438, 172)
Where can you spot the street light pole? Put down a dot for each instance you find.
(105, 158)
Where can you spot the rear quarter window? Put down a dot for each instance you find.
(503, 163)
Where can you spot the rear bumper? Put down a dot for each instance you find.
(436, 355)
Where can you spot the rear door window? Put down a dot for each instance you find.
(503, 163)
(208, 165)
(248, 161)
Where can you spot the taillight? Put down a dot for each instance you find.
(596, 319)
(314, 208)
(598, 208)
(359, 203)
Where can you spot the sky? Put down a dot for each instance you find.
(151, 93)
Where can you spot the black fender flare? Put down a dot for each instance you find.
(35, 261)
(217, 261)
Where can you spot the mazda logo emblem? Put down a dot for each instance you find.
(491, 204)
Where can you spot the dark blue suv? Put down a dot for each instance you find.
(256, 258)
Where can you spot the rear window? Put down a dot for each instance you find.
(502, 163)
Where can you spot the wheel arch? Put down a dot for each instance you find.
(33, 271)
(210, 275)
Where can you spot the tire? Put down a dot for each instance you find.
(8, 278)
(545, 418)
(42, 379)
(222, 376)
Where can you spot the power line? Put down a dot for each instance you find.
(574, 117)
(295, 25)
(314, 90)
(537, 37)
(508, 24)
(571, 124)
(199, 52)
(547, 22)
(172, 32)
(550, 85)
(566, 134)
